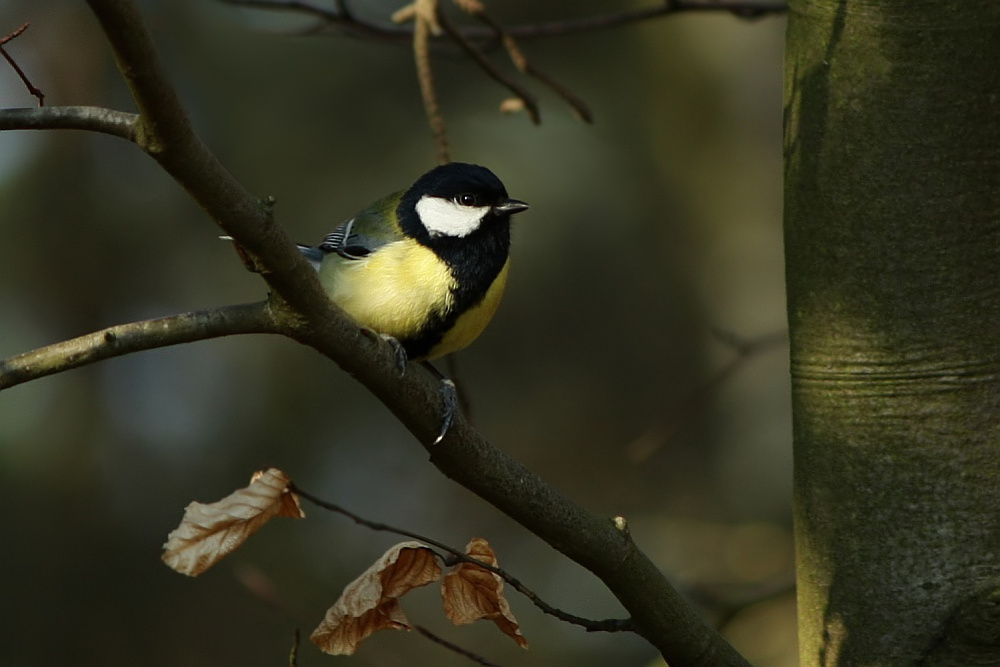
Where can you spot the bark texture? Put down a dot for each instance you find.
(892, 158)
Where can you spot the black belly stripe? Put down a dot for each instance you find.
(475, 261)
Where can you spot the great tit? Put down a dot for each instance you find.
(425, 268)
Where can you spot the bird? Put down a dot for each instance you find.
(424, 268)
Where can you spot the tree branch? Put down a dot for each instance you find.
(124, 339)
(609, 625)
(355, 25)
(302, 311)
(455, 648)
(164, 131)
(524, 65)
(35, 92)
(94, 119)
(422, 31)
(600, 544)
(473, 51)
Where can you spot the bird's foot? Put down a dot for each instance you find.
(397, 348)
(449, 397)
(449, 400)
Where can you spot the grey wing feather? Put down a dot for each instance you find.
(342, 241)
(336, 239)
(345, 242)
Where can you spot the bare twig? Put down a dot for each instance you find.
(656, 436)
(96, 119)
(17, 31)
(164, 131)
(338, 17)
(609, 625)
(746, 9)
(530, 103)
(424, 23)
(293, 655)
(524, 65)
(124, 339)
(17, 68)
(478, 659)
(303, 312)
(475, 41)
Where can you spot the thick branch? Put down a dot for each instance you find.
(164, 131)
(305, 313)
(124, 339)
(661, 616)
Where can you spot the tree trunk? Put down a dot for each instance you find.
(892, 232)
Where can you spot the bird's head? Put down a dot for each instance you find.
(456, 200)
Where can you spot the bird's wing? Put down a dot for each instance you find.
(367, 231)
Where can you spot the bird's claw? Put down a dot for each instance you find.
(397, 348)
(449, 396)
(449, 393)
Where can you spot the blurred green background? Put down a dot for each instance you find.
(648, 232)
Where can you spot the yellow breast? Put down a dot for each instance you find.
(400, 287)
(472, 322)
(392, 290)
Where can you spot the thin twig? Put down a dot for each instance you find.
(478, 659)
(742, 9)
(124, 339)
(523, 64)
(608, 625)
(293, 655)
(656, 436)
(307, 315)
(425, 76)
(339, 17)
(18, 31)
(530, 103)
(746, 9)
(24, 77)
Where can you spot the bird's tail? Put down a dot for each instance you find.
(312, 253)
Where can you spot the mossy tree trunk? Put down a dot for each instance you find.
(892, 230)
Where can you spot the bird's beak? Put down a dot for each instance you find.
(510, 206)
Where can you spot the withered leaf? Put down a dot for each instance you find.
(472, 593)
(207, 533)
(371, 602)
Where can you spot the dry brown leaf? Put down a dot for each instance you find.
(207, 533)
(371, 602)
(471, 593)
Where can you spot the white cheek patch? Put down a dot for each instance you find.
(443, 217)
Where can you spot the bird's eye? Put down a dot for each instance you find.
(466, 199)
